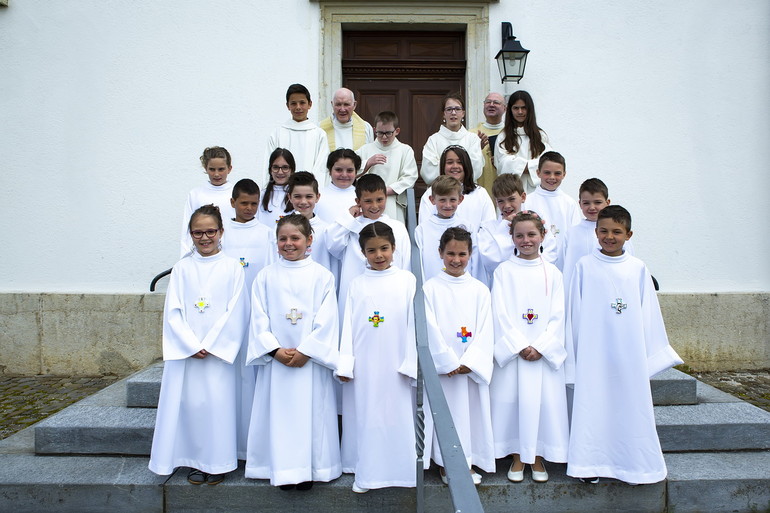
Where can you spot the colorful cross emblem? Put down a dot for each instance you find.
(618, 305)
(376, 319)
(244, 263)
(464, 334)
(530, 316)
(294, 315)
(201, 304)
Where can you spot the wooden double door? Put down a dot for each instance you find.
(408, 73)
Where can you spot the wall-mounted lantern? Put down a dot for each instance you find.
(512, 57)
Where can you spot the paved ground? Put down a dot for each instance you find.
(26, 400)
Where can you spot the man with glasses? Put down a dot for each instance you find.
(344, 128)
(494, 114)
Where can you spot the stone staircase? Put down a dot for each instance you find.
(92, 457)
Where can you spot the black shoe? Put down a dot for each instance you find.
(214, 479)
(286, 488)
(196, 477)
(305, 486)
(590, 480)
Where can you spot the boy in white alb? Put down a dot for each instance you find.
(495, 244)
(393, 160)
(446, 195)
(302, 192)
(218, 165)
(253, 246)
(342, 235)
(558, 210)
(616, 341)
(306, 141)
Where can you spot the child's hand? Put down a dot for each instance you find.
(344, 379)
(376, 160)
(462, 369)
(530, 354)
(355, 211)
(284, 356)
(298, 359)
(201, 354)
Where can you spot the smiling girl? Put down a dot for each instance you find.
(529, 402)
(378, 363)
(293, 338)
(204, 321)
(461, 338)
(274, 199)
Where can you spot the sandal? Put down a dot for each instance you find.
(196, 477)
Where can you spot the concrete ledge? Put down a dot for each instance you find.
(31, 484)
(713, 427)
(673, 387)
(718, 482)
(143, 388)
(83, 429)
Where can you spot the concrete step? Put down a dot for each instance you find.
(714, 482)
(668, 387)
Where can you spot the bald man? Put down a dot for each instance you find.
(494, 113)
(344, 128)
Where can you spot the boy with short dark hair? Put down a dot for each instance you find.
(616, 341)
(303, 138)
(558, 210)
(391, 159)
(342, 235)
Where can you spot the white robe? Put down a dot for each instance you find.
(477, 207)
(378, 440)
(517, 162)
(218, 195)
(334, 202)
(495, 246)
(529, 399)
(427, 236)
(399, 172)
(293, 436)
(461, 332)
(435, 145)
(307, 143)
(611, 359)
(276, 208)
(580, 240)
(559, 213)
(195, 424)
(253, 245)
(342, 242)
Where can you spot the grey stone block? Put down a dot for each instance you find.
(710, 394)
(718, 482)
(673, 387)
(143, 388)
(83, 429)
(561, 494)
(77, 484)
(713, 427)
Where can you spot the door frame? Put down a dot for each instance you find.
(473, 19)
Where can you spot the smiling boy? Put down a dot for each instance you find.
(306, 141)
(557, 209)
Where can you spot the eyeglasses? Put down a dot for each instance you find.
(280, 168)
(454, 109)
(493, 102)
(198, 234)
(384, 134)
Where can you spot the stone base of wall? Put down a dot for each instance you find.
(101, 334)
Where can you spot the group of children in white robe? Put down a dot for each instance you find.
(255, 343)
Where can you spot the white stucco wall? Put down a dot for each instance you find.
(105, 108)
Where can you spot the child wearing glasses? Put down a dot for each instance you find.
(273, 206)
(204, 323)
(452, 132)
(391, 159)
(306, 140)
(217, 163)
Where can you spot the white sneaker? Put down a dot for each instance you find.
(358, 489)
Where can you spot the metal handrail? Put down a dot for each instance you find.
(465, 496)
(157, 278)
